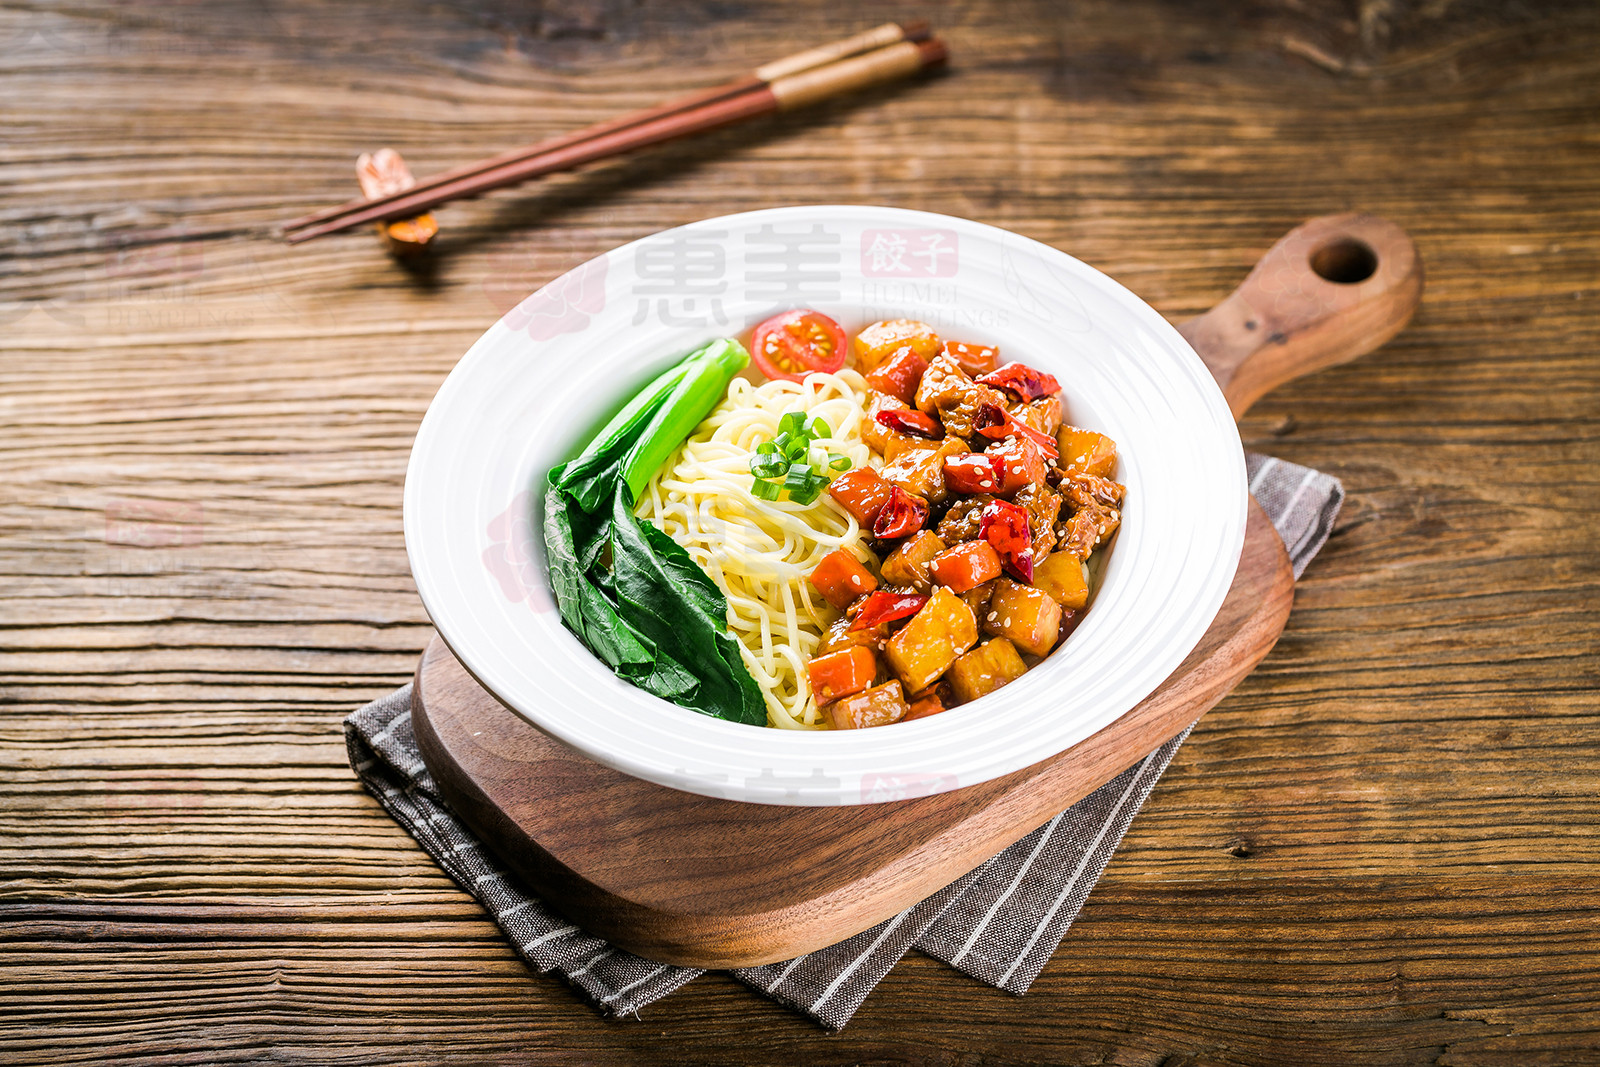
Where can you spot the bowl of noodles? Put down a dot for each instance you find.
(684, 543)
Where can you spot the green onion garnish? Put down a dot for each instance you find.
(789, 464)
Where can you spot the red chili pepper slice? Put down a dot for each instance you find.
(1022, 381)
(911, 421)
(996, 423)
(883, 605)
(902, 516)
(1005, 526)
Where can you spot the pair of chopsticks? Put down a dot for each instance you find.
(890, 51)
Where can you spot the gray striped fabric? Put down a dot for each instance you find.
(999, 923)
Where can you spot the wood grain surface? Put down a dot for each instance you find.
(1381, 849)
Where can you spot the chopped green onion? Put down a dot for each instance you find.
(805, 496)
(838, 462)
(767, 448)
(765, 490)
(819, 428)
(794, 422)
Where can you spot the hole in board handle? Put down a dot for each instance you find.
(1345, 261)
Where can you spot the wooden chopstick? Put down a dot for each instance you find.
(793, 81)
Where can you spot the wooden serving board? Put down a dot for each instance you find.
(694, 880)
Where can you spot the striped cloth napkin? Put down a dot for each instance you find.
(999, 923)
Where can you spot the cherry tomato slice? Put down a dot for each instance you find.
(795, 343)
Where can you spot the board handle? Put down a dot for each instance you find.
(1334, 288)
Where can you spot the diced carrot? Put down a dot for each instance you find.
(839, 674)
(971, 472)
(965, 566)
(900, 375)
(972, 358)
(861, 492)
(929, 703)
(878, 706)
(1019, 462)
(840, 578)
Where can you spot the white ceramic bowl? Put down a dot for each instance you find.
(532, 390)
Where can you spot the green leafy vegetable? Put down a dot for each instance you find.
(788, 457)
(631, 593)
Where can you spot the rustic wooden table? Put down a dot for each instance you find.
(1381, 849)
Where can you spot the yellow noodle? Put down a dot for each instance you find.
(759, 552)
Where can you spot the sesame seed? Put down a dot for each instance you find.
(992, 614)
(1007, 621)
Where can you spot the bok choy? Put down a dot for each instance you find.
(629, 592)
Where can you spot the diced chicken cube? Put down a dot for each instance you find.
(1044, 507)
(920, 471)
(1028, 617)
(927, 645)
(877, 706)
(985, 669)
(977, 598)
(947, 391)
(1081, 490)
(908, 564)
(962, 521)
(1087, 529)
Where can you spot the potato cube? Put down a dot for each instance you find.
(887, 442)
(878, 706)
(1087, 452)
(985, 669)
(1061, 576)
(876, 343)
(1030, 618)
(927, 645)
(908, 564)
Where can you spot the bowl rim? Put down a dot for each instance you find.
(822, 744)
